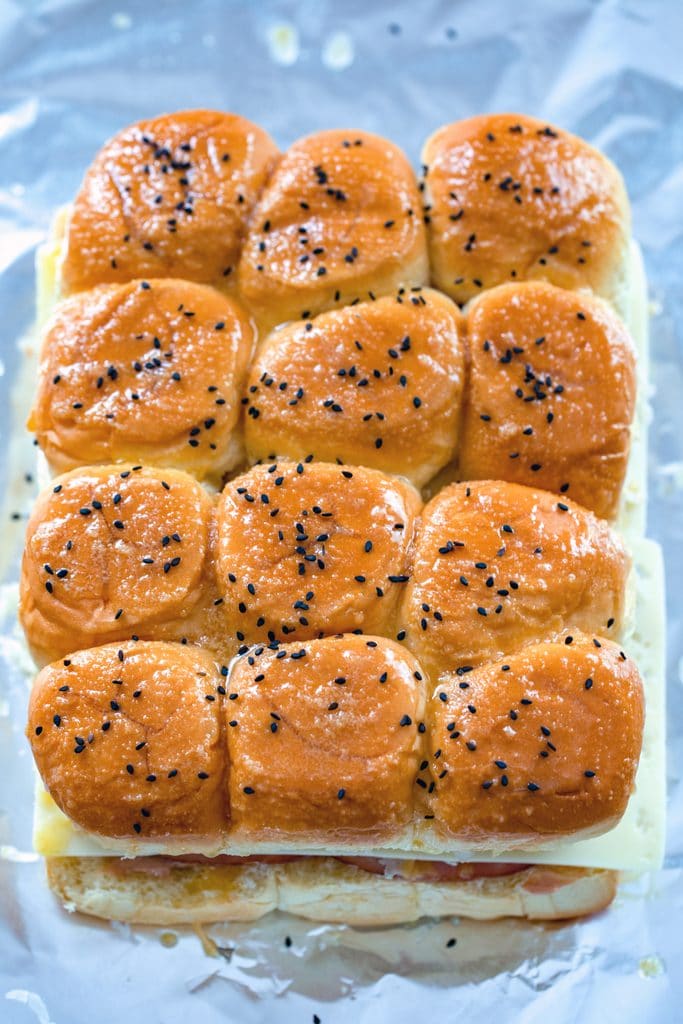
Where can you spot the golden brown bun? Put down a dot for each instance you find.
(545, 742)
(511, 198)
(148, 371)
(317, 888)
(325, 743)
(86, 575)
(311, 549)
(339, 219)
(168, 197)
(127, 742)
(380, 385)
(551, 393)
(499, 565)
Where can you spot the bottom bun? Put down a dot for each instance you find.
(317, 888)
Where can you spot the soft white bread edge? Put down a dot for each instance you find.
(319, 890)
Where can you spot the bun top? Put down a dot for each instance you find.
(338, 222)
(498, 565)
(378, 384)
(149, 370)
(512, 198)
(309, 549)
(115, 551)
(545, 742)
(325, 741)
(551, 393)
(168, 197)
(127, 742)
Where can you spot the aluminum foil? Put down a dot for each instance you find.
(72, 72)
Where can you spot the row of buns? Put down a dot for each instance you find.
(299, 550)
(534, 385)
(338, 743)
(339, 217)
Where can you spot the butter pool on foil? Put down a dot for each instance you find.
(70, 76)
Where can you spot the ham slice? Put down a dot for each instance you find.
(407, 870)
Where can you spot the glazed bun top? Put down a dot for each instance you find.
(116, 551)
(147, 370)
(378, 384)
(168, 197)
(543, 743)
(338, 222)
(512, 198)
(498, 566)
(127, 742)
(551, 395)
(310, 549)
(324, 740)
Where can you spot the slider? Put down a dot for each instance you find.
(167, 197)
(148, 371)
(512, 198)
(550, 395)
(338, 222)
(499, 565)
(307, 549)
(377, 384)
(117, 551)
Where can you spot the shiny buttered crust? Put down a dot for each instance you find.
(148, 370)
(511, 198)
(319, 890)
(311, 549)
(498, 565)
(129, 739)
(324, 741)
(168, 197)
(340, 741)
(116, 551)
(546, 741)
(551, 393)
(339, 221)
(378, 384)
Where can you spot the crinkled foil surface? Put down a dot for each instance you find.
(72, 72)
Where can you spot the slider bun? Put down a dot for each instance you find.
(304, 548)
(351, 195)
(555, 567)
(83, 579)
(510, 197)
(168, 197)
(543, 718)
(320, 889)
(89, 714)
(324, 742)
(537, 354)
(401, 358)
(147, 371)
